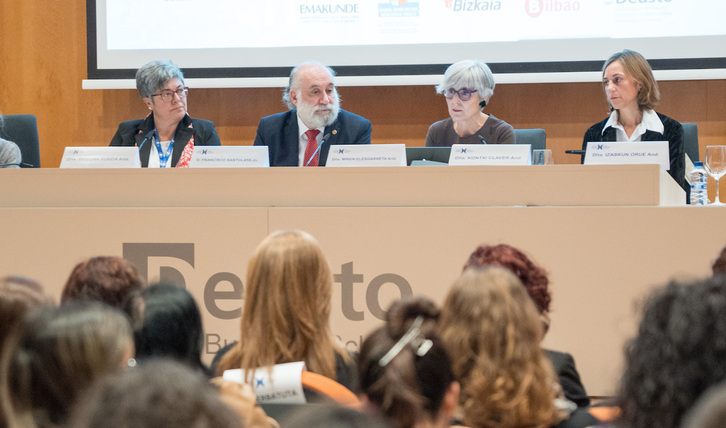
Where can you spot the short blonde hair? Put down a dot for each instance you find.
(492, 331)
(637, 67)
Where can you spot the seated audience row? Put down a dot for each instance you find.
(302, 136)
(476, 361)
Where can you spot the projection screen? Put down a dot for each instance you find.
(240, 43)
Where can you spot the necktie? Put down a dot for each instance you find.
(312, 148)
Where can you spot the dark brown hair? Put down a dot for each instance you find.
(107, 279)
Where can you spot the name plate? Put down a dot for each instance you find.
(367, 155)
(621, 153)
(283, 386)
(230, 157)
(490, 154)
(101, 157)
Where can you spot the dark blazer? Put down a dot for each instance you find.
(672, 132)
(569, 378)
(280, 134)
(140, 133)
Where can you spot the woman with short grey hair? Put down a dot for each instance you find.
(468, 85)
(10, 156)
(167, 136)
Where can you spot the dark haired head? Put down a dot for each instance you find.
(166, 323)
(533, 277)
(678, 353)
(159, 394)
(719, 265)
(406, 379)
(107, 279)
(332, 416)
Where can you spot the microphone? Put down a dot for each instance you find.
(325, 137)
(481, 138)
(18, 164)
(146, 137)
(575, 152)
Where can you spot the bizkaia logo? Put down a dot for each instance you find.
(472, 5)
(536, 7)
(217, 298)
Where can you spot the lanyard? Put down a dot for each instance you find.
(163, 158)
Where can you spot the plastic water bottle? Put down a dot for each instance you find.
(699, 185)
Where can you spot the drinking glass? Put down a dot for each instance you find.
(542, 157)
(716, 166)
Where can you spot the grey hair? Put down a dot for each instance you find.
(469, 73)
(292, 83)
(9, 154)
(153, 75)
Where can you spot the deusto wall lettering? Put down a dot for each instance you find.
(223, 292)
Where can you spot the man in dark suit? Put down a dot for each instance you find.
(302, 136)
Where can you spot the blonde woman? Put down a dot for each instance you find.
(492, 330)
(287, 310)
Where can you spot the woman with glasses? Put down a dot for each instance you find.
(166, 138)
(468, 85)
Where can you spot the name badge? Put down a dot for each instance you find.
(621, 153)
(490, 154)
(367, 155)
(283, 386)
(230, 157)
(101, 157)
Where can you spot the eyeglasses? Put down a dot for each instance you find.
(168, 95)
(464, 94)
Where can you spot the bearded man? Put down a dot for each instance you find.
(302, 136)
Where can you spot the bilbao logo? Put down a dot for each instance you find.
(534, 7)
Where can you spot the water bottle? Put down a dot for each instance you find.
(699, 185)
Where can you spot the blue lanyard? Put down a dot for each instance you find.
(163, 158)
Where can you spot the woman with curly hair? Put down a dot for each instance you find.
(286, 315)
(678, 353)
(405, 371)
(492, 330)
(535, 281)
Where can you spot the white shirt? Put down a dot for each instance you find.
(154, 155)
(650, 121)
(303, 140)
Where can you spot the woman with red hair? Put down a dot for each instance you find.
(535, 281)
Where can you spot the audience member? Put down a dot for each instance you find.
(159, 394)
(10, 156)
(468, 86)
(719, 265)
(107, 279)
(302, 136)
(535, 280)
(632, 93)
(677, 354)
(17, 296)
(332, 416)
(492, 331)
(55, 355)
(166, 323)
(167, 136)
(404, 370)
(709, 411)
(286, 314)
